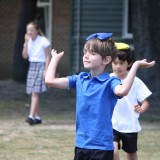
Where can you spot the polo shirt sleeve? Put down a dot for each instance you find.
(72, 81)
(116, 81)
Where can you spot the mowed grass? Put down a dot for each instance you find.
(36, 143)
(148, 143)
(55, 138)
(19, 141)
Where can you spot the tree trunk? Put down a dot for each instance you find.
(27, 14)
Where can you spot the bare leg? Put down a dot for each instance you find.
(132, 156)
(35, 105)
(116, 152)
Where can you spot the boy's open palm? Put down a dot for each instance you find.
(55, 55)
(144, 64)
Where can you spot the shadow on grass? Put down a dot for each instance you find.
(58, 106)
(54, 139)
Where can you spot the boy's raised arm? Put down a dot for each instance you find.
(122, 90)
(50, 78)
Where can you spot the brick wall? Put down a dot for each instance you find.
(9, 15)
(61, 36)
(61, 23)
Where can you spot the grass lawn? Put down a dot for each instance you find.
(54, 139)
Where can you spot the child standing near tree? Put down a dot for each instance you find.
(128, 109)
(96, 96)
(36, 49)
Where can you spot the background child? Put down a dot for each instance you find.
(127, 110)
(36, 49)
(94, 133)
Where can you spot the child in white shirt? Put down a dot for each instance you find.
(36, 49)
(125, 119)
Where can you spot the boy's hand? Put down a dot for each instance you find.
(138, 109)
(55, 55)
(144, 64)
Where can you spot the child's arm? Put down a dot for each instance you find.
(25, 48)
(122, 90)
(50, 78)
(48, 58)
(143, 107)
(25, 52)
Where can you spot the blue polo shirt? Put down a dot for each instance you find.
(95, 101)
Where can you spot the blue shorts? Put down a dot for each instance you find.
(92, 154)
(129, 141)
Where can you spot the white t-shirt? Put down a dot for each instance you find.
(124, 118)
(36, 49)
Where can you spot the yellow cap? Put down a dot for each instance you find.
(121, 46)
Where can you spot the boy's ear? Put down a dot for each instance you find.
(129, 66)
(107, 60)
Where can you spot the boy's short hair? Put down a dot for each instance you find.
(103, 47)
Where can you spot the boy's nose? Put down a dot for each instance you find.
(118, 66)
(86, 55)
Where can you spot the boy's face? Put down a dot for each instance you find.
(119, 67)
(92, 60)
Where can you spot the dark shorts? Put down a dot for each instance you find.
(129, 141)
(92, 154)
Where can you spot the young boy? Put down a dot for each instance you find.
(127, 110)
(96, 93)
